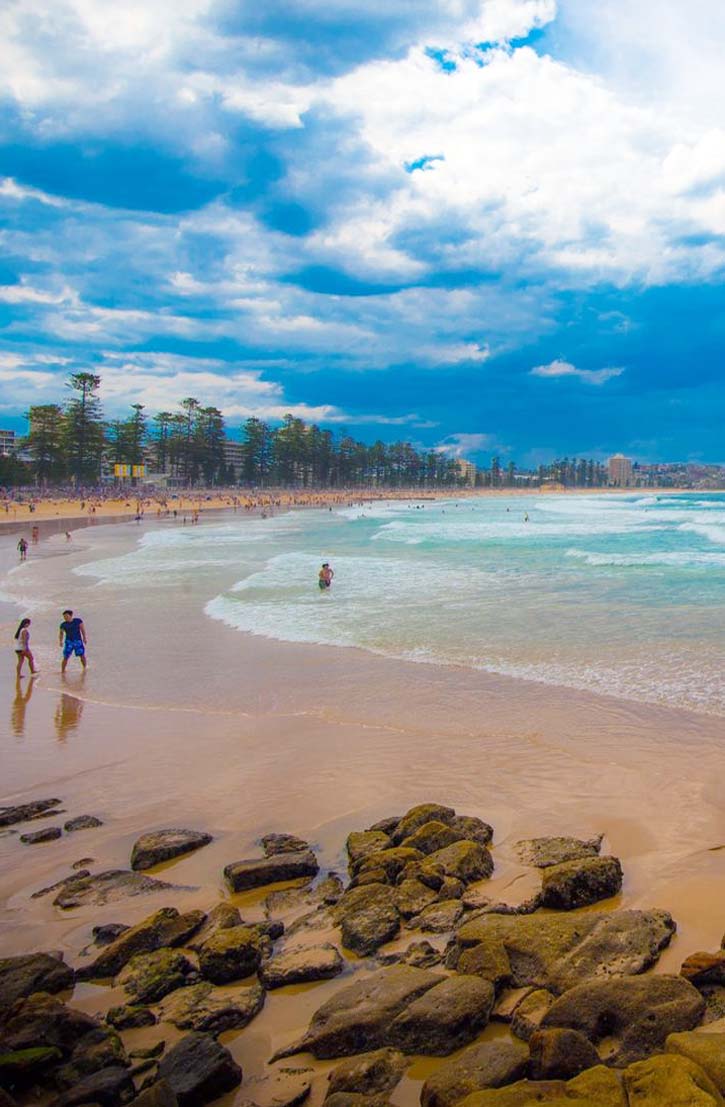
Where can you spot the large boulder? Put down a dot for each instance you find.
(438, 918)
(466, 861)
(222, 917)
(148, 977)
(256, 872)
(390, 861)
(704, 968)
(47, 834)
(107, 887)
(82, 822)
(198, 1070)
(21, 1067)
(109, 1087)
(543, 852)
(362, 843)
(357, 1019)
(481, 1065)
(634, 1014)
(98, 1049)
(164, 928)
(418, 816)
(473, 829)
(130, 1017)
(529, 1013)
(559, 951)
(42, 1020)
(412, 897)
(444, 1018)
(231, 954)
(369, 1074)
(432, 836)
(212, 1010)
(581, 883)
(32, 972)
(368, 917)
(163, 845)
(301, 965)
(706, 1050)
(283, 843)
(158, 1094)
(661, 1081)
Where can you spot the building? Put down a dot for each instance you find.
(468, 473)
(8, 443)
(620, 471)
(234, 458)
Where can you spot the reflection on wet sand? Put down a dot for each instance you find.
(23, 694)
(68, 715)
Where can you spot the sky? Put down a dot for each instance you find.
(484, 226)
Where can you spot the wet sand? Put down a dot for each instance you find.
(184, 722)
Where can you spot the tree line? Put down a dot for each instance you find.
(73, 442)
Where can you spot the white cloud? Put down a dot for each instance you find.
(566, 369)
(461, 445)
(25, 294)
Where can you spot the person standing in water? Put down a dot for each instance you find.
(22, 649)
(74, 633)
(325, 576)
(23, 549)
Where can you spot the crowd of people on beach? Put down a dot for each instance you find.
(72, 640)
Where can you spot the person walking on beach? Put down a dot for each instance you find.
(74, 633)
(22, 649)
(23, 548)
(325, 576)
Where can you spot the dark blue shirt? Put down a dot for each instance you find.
(72, 629)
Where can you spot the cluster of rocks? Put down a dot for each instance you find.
(581, 1019)
(43, 809)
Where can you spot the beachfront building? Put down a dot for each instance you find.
(468, 472)
(620, 471)
(7, 443)
(233, 459)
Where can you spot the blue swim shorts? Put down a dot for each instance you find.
(74, 646)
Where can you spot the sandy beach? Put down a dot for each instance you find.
(181, 721)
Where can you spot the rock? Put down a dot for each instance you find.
(108, 932)
(156, 1095)
(24, 812)
(704, 968)
(82, 822)
(412, 897)
(543, 852)
(221, 917)
(148, 977)
(439, 918)
(106, 888)
(507, 1001)
(634, 1014)
(107, 1088)
(473, 829)
(32, 972)
(149, 1051)
(581, 883)
(301, 965)
(706, 1050)
(282, 1088)
(231, 954)
(368, 917)
(597, 1087)
(59, 884)
(47, 834)
(357, 1018)
(481, 1065)
(373, 1073)
(421, 955)
(356, 1099)
(388, 825)
(27, 1066)
(42, 1020)
(99, 1049)
(490, 962)
(255, 873)
(273, 844)
(714, 996)
(560, 951)
(163, 845)
(162, 929)
(419, 816)
(476, 896)
(451, 888)
(528, 1015)
(432, 836)
(130, 1017)
(390, 861)
(467, 861)
(444, 1018)
(660, 1081)
(560, 1054)
(198, 1069)
(205, 1008)
(82, 863)
(362, 843)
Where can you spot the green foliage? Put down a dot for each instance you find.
(83, 429)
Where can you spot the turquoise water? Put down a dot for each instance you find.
(610, 593)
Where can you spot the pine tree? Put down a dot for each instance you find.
(45, 441)
(83, 431)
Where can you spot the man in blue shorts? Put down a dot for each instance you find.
(72, 637)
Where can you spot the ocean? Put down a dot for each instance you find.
(620, 594)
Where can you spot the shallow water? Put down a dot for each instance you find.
(618, 594)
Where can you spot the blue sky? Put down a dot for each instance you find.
(486, 225)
